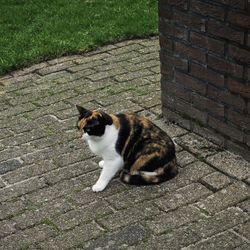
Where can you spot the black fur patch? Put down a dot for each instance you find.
(123, 133)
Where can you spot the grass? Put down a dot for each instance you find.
(33, 30)
(49, 223)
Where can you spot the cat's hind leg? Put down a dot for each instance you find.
(109, 170)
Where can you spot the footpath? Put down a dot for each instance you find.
(46, 172)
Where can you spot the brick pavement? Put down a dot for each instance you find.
(46, 172)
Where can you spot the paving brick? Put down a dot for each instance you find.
(55, 68)
(197, 145)
(216, 181)
(225, 240)
(47, 172)
(226, 197)
(204, 228)
(73, 238)
(69, 171)
(8, 209)
(245, 206)
(133, 75)
(126, 49)
(102, 75)
(123, 57)
(84, 66)
(230, 164)
(10, 165)
(92, 57)
(125, 217)
(64, 59)
(172, 129)
(127, 236)
(34, 215)
(244, 246)
(184, 158)
(182, 196)
(22, 188)
(22, 239)
(82, 215)
(220, 222)
(7, 227)
(244, 230)
(2, 184)
(29, 171)
(62, 188)
(166, 222)
(152, 65)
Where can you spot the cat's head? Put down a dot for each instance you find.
(92, 123)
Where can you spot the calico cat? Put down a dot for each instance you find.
(129, 143)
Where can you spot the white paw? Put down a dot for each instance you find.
(98, 187)
(101, 164)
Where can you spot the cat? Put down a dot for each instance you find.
(129, 143)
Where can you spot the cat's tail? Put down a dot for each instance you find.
(162, 174)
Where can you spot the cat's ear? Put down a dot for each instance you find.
(107, 118)
(83, 112)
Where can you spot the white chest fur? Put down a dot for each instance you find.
(104, 146)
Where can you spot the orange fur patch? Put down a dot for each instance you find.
(115, 121)
(145, 122)
(142, 160)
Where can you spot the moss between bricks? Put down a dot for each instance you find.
(49, 223)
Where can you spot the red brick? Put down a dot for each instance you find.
(168, 100)
(167, 71)
(176, 118)
(164, 12)
(165, 42)
(186, 109)
(208, 133)
(176, 62)
(238, 149)
(225, 97)
(225, 66)
(190, 83)
(239, 88)
(171, 30)
(207, 74)
(248, 140)
(226, 32)
(208, 105)
(239, 19)
(176, 3)
(233, 3)
(240, 119)
(225, 129)
(190, 52)
(175, 89)
(207, 42)
(189, 20)
(248, 107)
(239, 54)
(206, 9)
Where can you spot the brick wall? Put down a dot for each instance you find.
(205, 68)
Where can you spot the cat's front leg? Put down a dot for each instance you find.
(110, 168)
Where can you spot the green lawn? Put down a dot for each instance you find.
(35, 30)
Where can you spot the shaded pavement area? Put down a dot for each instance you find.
(46, 172)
